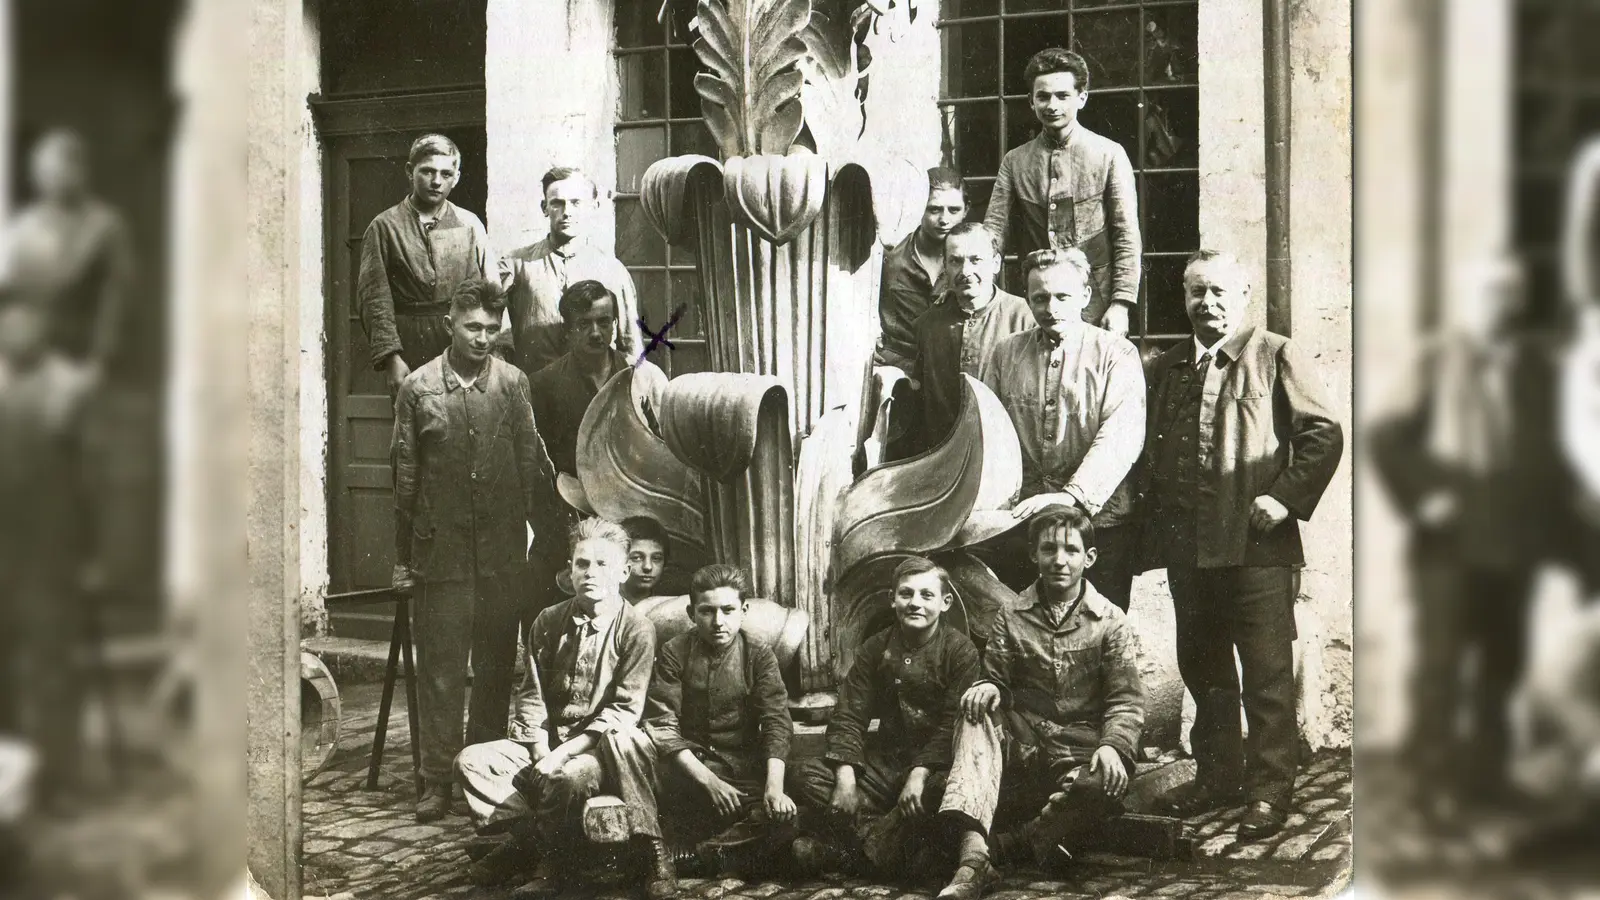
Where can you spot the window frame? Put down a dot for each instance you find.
(1000, 17)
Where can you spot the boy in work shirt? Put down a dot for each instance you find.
(575, 729)
(1058, 708)
(1073, 188)
(719, 716)
(909, 676)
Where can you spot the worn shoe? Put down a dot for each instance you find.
(435, 803)
(971, 881)
(1192, 800)
(502, 864)
(1261, 820)
(661, 881)
(811, 857)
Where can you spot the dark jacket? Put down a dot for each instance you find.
(914, 694)
(1271, 434)
(735, 704)
(470, 472)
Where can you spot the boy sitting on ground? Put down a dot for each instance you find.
(719, 715)
(910, 677)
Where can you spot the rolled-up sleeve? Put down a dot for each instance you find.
(1122, 220)
(1124, 690)
(1119, 440)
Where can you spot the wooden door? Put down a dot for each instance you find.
(365, 144)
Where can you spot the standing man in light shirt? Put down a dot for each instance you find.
(1240, 446)
(535, 276)
(1076, 397)
(913, 269)
(412, 257)
(1073, 188)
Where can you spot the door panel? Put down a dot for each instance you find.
(364, 175)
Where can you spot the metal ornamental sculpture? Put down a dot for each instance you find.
(754, 462)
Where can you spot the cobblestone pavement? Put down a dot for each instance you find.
(365, 844)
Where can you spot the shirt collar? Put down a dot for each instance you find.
(601, 619)
(1050, 143)
(1094, 604)
(953, 297)
(452, 381)
(1228, 348)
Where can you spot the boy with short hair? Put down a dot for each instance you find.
(1058, 710)
(910, 677)
(647, 557)
(719, 716)
(1074, 188)
(575, 727)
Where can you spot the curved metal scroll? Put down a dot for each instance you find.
(627, 470)
(710, 419)
(920, 504)
(664, 193)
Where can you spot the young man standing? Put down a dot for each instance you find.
(1240, 445)
(909, 677)
(471, 474)
(1076, 397)
(413, 256)
(958, 333)
(913, 269)
(536, 276)
(575, 726)
(647, 558)
(1058, 708)
(1072, 188)
(719, 716)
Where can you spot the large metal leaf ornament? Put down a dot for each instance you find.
(833, 111)
(777, 196)
(750, 94)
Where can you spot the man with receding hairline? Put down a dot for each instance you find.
(413, 255)
(957, 333)
(534, 277)
(1240, 445)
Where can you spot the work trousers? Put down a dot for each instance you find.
(1045, 770)
(503, 791)
(691, 819)
(1462, 610)
(884, 835)
(1116, 556)
(1249, 609)
(452, 620)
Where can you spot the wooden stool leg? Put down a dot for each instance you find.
(411, 697)
(391, 670)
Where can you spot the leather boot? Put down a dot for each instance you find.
(972, 880)
(661, 881)
(435, 802)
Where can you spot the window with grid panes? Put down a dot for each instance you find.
(1142, 94)
(658, 115)
(1557, 77)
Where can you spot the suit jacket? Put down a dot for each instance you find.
(1271, 433)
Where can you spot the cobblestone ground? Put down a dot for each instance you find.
(365, 844)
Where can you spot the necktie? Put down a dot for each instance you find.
(1205, 360)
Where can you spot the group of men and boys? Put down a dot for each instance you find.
(1201, 464)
